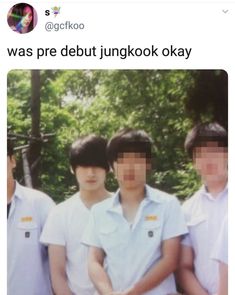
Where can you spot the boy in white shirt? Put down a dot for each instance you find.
(136, 232)
(207, 144)
(220, 254)
(27, 258)
(67, 222)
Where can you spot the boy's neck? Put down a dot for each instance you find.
(90, 198)
(132, 196)
(216, 187)
(130, 200)
(10, 189)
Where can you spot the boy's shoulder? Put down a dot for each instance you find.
(31, 195)
(193, 207)
(193, 200)
(67, 206)
(70, 201)
(159, 195)
(154, 194)
(104, 205)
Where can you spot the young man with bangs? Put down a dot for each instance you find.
(67, 222)
(207, 144)
(134, 237)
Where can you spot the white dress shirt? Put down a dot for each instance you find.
(28, 268)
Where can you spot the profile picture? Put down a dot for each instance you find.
(22, 18)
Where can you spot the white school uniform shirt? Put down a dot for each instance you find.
(65, 226)
(27, 258)
(220, 252)
(131, 251)
(204, 215)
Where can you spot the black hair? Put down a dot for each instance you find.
(10, 148)
(203, 133)
(129, 140)
(17, 12)
(87, 151)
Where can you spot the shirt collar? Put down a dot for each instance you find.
(220, 195)
(18, 191)
(151, 195)
(115, 205)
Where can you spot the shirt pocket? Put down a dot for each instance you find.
(151, 233)
(110, 237)
(28, 232)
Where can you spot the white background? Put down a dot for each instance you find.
(202, 26)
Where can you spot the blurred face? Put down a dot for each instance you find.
(90, 178)
(211, 162)
(27, 16)
(130, 169)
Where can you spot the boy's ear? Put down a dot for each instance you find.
(13, 161)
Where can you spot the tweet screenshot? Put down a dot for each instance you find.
(117, 120)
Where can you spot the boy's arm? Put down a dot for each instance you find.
(162, 269)
(223, 281)
(185, 273)
(96, 271)
(57, 259)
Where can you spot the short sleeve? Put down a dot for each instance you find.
(174, 224)
(45, 206)
(54, 228)
(220, 252)
(186, 241)
(91, 234)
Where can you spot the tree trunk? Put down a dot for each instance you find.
(35, 145)
(26, 169)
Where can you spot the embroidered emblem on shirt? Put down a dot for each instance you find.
(151, 218)
(150, 233)
(26, 219)
(27, 234)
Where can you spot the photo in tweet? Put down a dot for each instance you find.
(112, 148)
